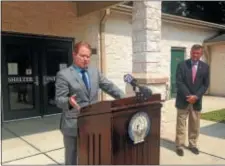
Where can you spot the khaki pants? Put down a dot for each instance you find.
(193, 126)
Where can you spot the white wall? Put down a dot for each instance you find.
(119, 45)
(217, 67)
(174, 35)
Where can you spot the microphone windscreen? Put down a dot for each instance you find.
(128, 78)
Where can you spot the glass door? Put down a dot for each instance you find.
(19, 79)
(29, 66)
(55, 57)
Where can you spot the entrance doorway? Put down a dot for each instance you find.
(177, 56)
(29, 66)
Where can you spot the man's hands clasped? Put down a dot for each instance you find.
(192, 99)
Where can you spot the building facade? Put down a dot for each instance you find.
(215, 47)
(37, 39)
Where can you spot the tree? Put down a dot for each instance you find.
(212, 11)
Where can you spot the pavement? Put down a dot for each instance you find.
(38, 141)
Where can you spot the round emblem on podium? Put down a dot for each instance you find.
(139, 127)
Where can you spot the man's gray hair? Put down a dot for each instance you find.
(196, 47)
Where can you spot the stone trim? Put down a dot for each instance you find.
(162, 80)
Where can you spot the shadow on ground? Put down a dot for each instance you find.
(30, 126)
(168, 144)
(214, 130)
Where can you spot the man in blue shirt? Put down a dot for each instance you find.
(77, 86)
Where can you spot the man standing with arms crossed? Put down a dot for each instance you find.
(192, 80)
(77, 86)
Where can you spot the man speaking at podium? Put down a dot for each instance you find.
(77, 86)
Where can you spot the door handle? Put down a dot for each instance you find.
(47, 79)
(44, 81)
(36, 80)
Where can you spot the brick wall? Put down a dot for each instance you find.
(51, 18)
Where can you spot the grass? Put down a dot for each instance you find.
(216, 116)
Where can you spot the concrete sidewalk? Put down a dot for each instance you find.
(39, 142)
(211, 139)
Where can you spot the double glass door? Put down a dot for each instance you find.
(29, 67)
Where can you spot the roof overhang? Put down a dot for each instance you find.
(86, 7)
(219, 39)
(126, 9)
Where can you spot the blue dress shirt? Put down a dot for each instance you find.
(78, 69)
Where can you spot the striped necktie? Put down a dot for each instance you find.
(194, 71)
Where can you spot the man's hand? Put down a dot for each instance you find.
(73, 103)
(192, 99)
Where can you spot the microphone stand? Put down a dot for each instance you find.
(139, 95)
(142, 93)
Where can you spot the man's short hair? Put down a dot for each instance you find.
(80, 44)
(196, 47)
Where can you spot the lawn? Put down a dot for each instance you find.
(217, 115)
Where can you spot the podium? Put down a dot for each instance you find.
(103, 133)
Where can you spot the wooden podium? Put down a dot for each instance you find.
(103, 133)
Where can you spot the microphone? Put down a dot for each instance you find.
(130, 80)
(146, 92)
(143, 91)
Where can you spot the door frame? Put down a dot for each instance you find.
(4, 77)
(8, 113)
(38, 36)
(172, 95)
(50, 45)
(30, 35)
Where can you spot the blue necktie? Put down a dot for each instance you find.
(84, 78)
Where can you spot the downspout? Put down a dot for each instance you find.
(102, 45)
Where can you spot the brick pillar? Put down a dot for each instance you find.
(146, 37)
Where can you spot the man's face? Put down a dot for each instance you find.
(196, 54)
(82, 58)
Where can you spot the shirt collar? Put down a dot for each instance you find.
(77, 68)
(194, 63)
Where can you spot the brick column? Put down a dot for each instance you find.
(146, 37)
